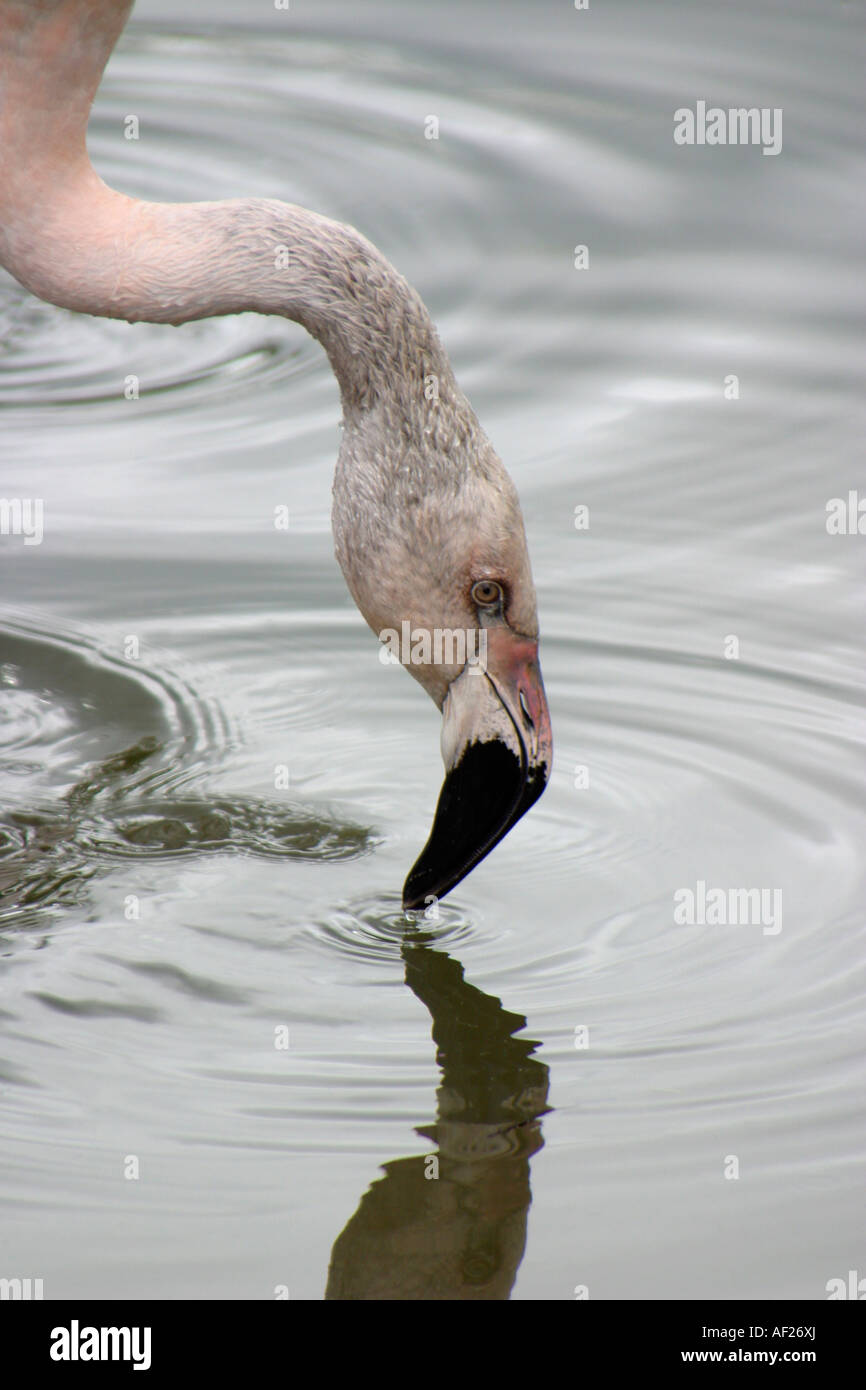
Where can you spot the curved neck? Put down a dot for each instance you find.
(73, 241)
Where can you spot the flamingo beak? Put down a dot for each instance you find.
(498, 752)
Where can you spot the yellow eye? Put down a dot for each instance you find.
(486, 593)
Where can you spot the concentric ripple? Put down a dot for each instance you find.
(377, 929)
(78, 794)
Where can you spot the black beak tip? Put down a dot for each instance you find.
(481, 799)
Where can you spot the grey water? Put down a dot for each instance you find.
(229, 1066)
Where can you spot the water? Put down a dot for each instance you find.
(168, 660)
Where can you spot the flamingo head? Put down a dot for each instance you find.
(434, 553)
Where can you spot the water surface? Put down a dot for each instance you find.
(212, 789)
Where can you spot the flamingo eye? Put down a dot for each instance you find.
(486, 593)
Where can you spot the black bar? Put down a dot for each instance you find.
(226, 1339)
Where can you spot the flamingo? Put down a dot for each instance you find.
(427, 525)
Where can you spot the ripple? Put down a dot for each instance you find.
(98, 1008)
(77, 704)
(72, 704)
(599, 388)
(60, 359)
(377, 929)
(236, 825)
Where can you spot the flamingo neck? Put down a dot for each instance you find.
(75, 242)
